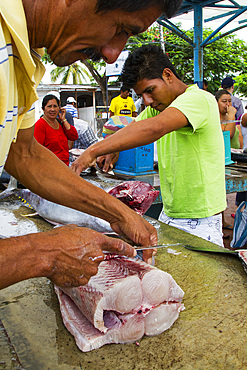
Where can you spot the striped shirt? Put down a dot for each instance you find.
(72, 110)
(20, 73)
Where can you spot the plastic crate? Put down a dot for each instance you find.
(137, 161)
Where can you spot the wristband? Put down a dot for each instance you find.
(64, 120)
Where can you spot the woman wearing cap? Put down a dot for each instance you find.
(54, 133)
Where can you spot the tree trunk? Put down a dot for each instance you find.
(101, 80)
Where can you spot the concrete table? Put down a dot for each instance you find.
(209, 334)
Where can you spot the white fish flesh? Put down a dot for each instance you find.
(125, 300)
(243, 256)
(137, 195)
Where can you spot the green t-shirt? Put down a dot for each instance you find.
(191, 159)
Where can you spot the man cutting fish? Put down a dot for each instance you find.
(185, 121)
(82, 29)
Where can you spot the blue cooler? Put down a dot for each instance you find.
(136, 162)
(227, 143)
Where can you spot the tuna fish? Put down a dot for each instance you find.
(125, 300)
(137, 195)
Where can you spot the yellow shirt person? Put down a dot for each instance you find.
(123, 105)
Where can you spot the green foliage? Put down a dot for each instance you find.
(226, 56)
(46, 58)
(75, 70)
(241, 86)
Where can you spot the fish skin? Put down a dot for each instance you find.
(57, 214)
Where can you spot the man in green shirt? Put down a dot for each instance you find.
(185, 121)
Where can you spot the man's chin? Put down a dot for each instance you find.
(66, 60)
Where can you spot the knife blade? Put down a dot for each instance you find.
(143, 248)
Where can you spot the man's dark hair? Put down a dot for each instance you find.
(47, 98)
(168, 7)
(148, 61)
(221, 92)
(125, 88)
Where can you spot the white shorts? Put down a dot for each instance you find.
(209, 228)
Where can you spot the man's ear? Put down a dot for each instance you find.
(167, 75)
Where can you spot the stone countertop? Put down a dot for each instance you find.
(209, 334)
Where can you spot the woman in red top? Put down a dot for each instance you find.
(52, 134)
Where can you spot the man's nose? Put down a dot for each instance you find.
(148, 100)
(113, 48)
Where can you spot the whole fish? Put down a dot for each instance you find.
(57, 214)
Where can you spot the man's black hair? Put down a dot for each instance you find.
(47, 98)
(221, 92)
(168, 7)
(125, 88)
(148, 61)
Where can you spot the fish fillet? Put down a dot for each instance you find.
(130, 292)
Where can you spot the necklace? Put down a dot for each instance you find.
(54, 124)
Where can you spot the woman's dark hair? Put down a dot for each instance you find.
(221, 92)
(168, 7)
(148, 61)
(47, 98)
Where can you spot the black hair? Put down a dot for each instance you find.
(168, 7)
(221, 92)
(125, 88)
(148, 61)
(47, 98)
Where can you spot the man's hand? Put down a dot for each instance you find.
(83, 162)
(106, 162)
(77, 253)
(139, 231)
(67, 255)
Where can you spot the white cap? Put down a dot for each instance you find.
(70, 99)
(55, 93)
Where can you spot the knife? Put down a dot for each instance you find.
(143, 248)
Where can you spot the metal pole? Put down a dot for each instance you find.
(162, 37)
(198, 50)
(107, 96)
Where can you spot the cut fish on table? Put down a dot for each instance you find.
(243, 256)
(125, 300)
(136, 194)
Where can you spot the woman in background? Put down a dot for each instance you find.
(227, 116)
(53, 131)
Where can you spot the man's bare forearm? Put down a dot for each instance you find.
(20, 259)
(43, 173)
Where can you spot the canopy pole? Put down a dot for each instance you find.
(198, 50)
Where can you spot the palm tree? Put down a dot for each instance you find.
(75, 70)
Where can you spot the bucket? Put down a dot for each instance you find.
(227, 143)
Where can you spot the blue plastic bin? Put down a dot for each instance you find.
(227, 142)
(137, 161)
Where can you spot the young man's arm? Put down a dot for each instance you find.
(134, 135)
